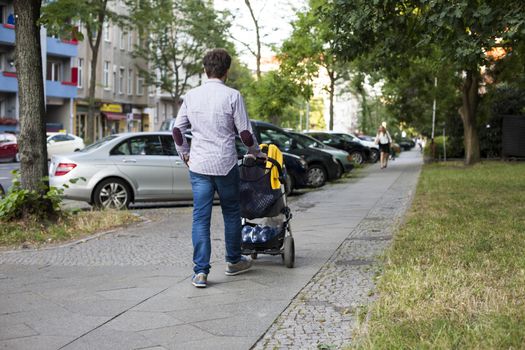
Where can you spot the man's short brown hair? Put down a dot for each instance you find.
(216, 63)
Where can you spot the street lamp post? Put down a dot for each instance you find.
(432, 145)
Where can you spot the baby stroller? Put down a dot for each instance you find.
(263, 199)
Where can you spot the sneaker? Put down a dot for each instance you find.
(242, 266)
(199, 280)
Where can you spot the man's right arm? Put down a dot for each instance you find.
(244, 127)
(181, 126)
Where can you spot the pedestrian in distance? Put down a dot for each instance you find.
(384, 141)
(216, 114)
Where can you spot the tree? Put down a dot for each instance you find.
(178, 33)
(61, 17)
(388, 32)
(310, 48)
(270, 96)
(257, 52)
(32, 139)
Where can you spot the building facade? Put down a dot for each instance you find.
(59, 71)
(121, 95)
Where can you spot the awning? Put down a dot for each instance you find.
(115, 116)
(120, 116)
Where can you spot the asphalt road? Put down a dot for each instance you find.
(5, 173)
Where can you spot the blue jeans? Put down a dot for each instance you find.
(204, 187)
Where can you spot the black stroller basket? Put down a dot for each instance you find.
(258, 198)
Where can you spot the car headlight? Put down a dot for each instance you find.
(303, 163)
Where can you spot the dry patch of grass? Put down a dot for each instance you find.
(69, 227)
(455, 275)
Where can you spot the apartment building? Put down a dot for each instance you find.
(59, 71)
(121, 95)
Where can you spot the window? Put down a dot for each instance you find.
(143, 145)
(130, 44)
(121, 81)
(281, 140)
(80, 67)
(106, 75)
(107, 32)
(140, 86)
(168, 145)
(122, 39)
(130, 81)
(53, 71)
(115, 83)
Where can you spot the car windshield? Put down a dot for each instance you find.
(308, 141)
(98, 143)
(346, 137)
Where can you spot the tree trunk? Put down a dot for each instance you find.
(94, 46)
(468, 112)
(258, 39)
(32, 139)
(331, 92)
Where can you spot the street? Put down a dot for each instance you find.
(5, 173)
(130, 288)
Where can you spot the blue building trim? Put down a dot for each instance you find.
(56, 47)
(58, 89)
(8, 84)
(7, 34)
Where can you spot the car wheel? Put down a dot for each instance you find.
(374, 155)
(316, 175)
(357, 157)
(112, 194)
(288, 184)
(16, 159)
(340, 170)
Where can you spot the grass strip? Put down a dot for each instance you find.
(71, 226)
(454, 277)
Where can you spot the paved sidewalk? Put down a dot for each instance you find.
(131, 289)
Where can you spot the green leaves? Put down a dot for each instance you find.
(179, 32)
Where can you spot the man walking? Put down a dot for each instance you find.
(215, 113)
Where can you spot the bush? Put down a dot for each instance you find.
(453, 148)
(43, 203)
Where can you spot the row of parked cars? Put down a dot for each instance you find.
(57, 143)
(143, 167)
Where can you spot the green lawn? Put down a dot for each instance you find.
(455, 275)
(69, 227)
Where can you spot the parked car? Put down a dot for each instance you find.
(62, 143)
(123, 168)
(343, 158)
(321, 166)
(406, 144)
(374, 149)
(357, 151)
(167, 125)
(296, 168)
(9, 148)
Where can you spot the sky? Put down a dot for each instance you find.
(274, 17)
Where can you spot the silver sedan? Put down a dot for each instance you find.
(123, 168)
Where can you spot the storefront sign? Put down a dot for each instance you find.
(111, 108)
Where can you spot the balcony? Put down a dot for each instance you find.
(57, 47)
(7, 34)
(61, 89)
(8, 82)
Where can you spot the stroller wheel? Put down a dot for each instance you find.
(253, 256)
(289, 252)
